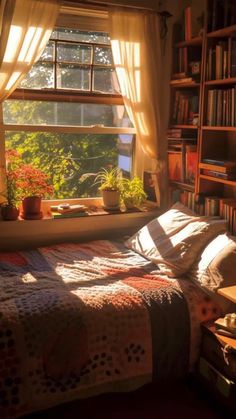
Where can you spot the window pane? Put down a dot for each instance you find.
(71, 76)
(103, 56)
(48, 53)
(80, 36)
(63, 113)
(66, 157)
(105, 80)
(74, 53)
(40, 76)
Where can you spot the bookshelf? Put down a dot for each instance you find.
(214, 128)
(186, 91)
(217, 137)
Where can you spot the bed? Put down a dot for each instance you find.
(78, 320)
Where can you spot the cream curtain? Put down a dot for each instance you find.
(136, 48)
(25, 26)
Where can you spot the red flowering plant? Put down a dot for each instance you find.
(33, 182)
(24, 179)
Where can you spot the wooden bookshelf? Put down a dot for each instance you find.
(216, 136)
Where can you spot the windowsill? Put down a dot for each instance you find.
(21, 234)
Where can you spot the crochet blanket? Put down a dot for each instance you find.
(83, 319)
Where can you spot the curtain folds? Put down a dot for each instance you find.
(136, 48)
(26, 26)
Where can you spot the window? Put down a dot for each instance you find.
(67, 116)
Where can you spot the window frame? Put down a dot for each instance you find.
(49, 94)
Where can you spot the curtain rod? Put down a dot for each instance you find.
(104, 6)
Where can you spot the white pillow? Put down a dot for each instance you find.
(150, 236)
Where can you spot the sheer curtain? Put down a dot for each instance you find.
(135, 41)
(25, 27)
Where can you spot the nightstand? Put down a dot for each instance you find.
(217, 366)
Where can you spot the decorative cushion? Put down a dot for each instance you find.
(176, 251)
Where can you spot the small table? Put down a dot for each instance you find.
(228, 292)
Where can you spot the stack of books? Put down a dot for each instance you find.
(68, 211)
(219, 168)
(217, 62)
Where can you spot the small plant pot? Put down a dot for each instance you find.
(9, 213)
(32, 207)
(111, 199)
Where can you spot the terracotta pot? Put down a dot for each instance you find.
(31, 205)
(9, 213)
(111, 199)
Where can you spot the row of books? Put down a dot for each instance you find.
(210, 206)
(185, 107)
(181, 63)
(221, 107)
(221, 60)
(223, 207)
(222, 14)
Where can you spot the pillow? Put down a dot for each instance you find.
(150, 236)
(175, 253)
(216, 267)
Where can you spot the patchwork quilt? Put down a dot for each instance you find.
(82, 319)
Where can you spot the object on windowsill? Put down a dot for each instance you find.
(58, 215)
(68, 209)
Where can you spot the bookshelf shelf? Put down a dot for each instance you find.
(183, 85)
(183, 186)
(222, 33)
(197, 41)
(218, 180)
(216, 128)
(185, 126)
(231, 80)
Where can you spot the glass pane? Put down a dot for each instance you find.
(70, 76)
(48, 53)
(74, 53)
(66, 157)
(80, 36)
(103, 56)
(40, 76)
(105, 80)
(63, 113)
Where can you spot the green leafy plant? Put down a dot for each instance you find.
(132, 192)
(109, 179)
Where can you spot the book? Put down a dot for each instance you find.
(219, 175)
(68, 209)
(175, 166)
(191, 163)
(223, 166)
(181, 81)
(56, 214)
(212, 206)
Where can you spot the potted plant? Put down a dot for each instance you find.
(132, 192)
(110, 185)
(34, 185)
(11, 193)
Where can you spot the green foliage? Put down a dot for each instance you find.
(132, 192)
(109, 179)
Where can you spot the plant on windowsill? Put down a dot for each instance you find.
(34, 185)
(10, 194)
(110, 185)
(132, 192)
